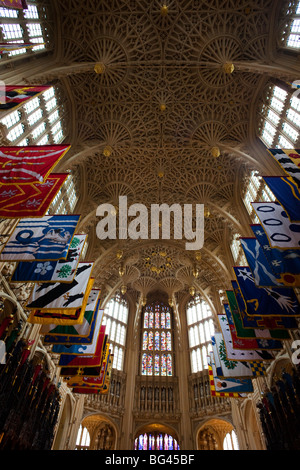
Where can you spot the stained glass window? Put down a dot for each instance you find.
(163, 341)
(151, 442)
(168, 341)
(145, 444)
(144, 364)
(149, 365)
(151, 319)
(169, 364)
(157, 323)
(156, 441)
(163, 364)
(146, 319)
(163, 319)
(157, 337)
(145, 340)
(156, 340)
(156, 365)
(150, 343)
(168, 320)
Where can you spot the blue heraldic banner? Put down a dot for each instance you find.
(258, 263)
(287, 193)
(265, 301)
(284, 263)
(258, 321)
(51, 271)
(46, 238)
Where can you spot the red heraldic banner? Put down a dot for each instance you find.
(13, 96)
(27, 165)
(19, 4)
(30, 200)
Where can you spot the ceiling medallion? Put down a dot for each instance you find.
(123, 289)
(164, 10)
(107, 151)
(160, 173)
(228, 67)
(206, 213)
(192, 291)
(215, 152)
(158, 262)
(99, 68)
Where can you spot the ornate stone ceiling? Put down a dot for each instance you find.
(144, 122)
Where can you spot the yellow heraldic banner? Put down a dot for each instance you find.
(77, 334)
(67, 317)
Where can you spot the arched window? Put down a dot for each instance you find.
(255, 190)
(155, 441)
(291, 34)
(157, 357)
(230, 441)
(19, 26)
(115, 318)
(200, 330)
(66, 199)
(280, 117)
(83, 439)
(37, 122)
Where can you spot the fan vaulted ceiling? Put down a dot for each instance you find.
(144, 122)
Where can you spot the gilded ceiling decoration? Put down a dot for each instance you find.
(161, 97)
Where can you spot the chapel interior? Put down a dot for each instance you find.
(164, 102)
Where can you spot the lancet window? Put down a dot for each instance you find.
(280, 117)
(38, 122)
(157, 350)
(200, 330)
(23, 26)
(156, 441)
(115, 319)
